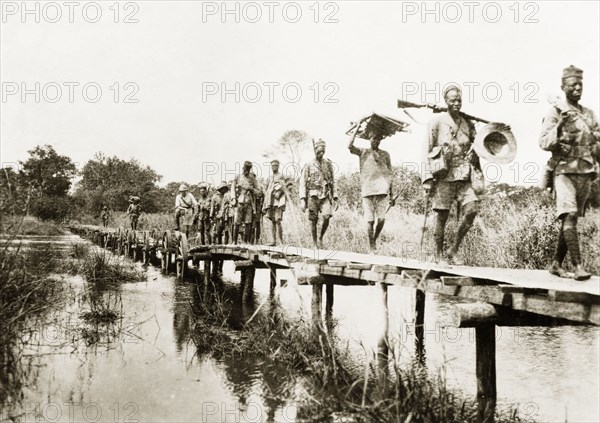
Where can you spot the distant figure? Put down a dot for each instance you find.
(105, 216)
(572, 133)
(318, 192)
(246, 189)
(133, 211)
(274, 202)
(451, 136)
(376, 183)
(185, 205)
(203, 215)
(218, 212)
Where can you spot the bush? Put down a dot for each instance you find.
(51, 207)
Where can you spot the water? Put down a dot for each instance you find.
(145, 367)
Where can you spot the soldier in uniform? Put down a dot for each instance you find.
(105, 216)
(203, 215)
(228, 214)
(185, 205)
(245, 188)
(217, 212)
(376, 183)
(318, 192)
(274, 204)
(133, 211)
(259, 199)
(451, 135)
(572, 133)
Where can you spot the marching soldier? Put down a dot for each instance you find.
(105, 216)
(218, 212)
(318, 192)
(185, 205)
(133, 211)
(274, 204)
(228, 214)
(257, 221)
(203, 215)
(245, 188)
(572, 133)
(376, 183)
(449, 140)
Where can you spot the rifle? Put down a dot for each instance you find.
(402, 104)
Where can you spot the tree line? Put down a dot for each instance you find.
(49, 185)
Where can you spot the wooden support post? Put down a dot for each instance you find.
(317, 296)
(248, 292)
(383, 345)
(273, 279)
(485, 338)
(206, 272)
(419, 325)
(329, 299)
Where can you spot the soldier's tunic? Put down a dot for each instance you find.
(245, 187)
(184, 206)
(216, 212)
(317, 187)
(274, 203)
(574, 171)
(375, 181)
(456, 185)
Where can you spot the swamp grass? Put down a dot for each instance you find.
(510, 232)
(321, 373)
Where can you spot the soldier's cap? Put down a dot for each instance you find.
(274, 161)
(451, 87)
(104, 208)
(572, 71)
(203, 185)
(319, 145)
(247, 164)
(223, 186)
(183, 187)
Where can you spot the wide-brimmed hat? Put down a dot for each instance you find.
(183, 187)
(495, 143)
(203, 185)
(222, 186)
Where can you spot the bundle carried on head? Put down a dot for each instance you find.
(378, 125)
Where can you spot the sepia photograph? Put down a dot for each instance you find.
(299, 211)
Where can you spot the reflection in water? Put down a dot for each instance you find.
(154, 361)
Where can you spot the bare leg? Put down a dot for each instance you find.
(371, 236)
(441, 217)
(469, 212)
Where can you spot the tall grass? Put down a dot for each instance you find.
(326, 378)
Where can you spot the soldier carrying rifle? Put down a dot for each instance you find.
(245, 188)
(572, 133)
(318, 192)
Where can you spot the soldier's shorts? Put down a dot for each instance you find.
(318, 206)
(243, 214)
(445, 193)
(275, 214)
(375, 206)
(572, 192)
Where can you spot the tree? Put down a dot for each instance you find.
(110, 181)
(47, 177)
(47, 173)
(290, 149)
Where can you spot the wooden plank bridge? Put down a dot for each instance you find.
(490, 296)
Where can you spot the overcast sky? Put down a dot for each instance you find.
(359, 57)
